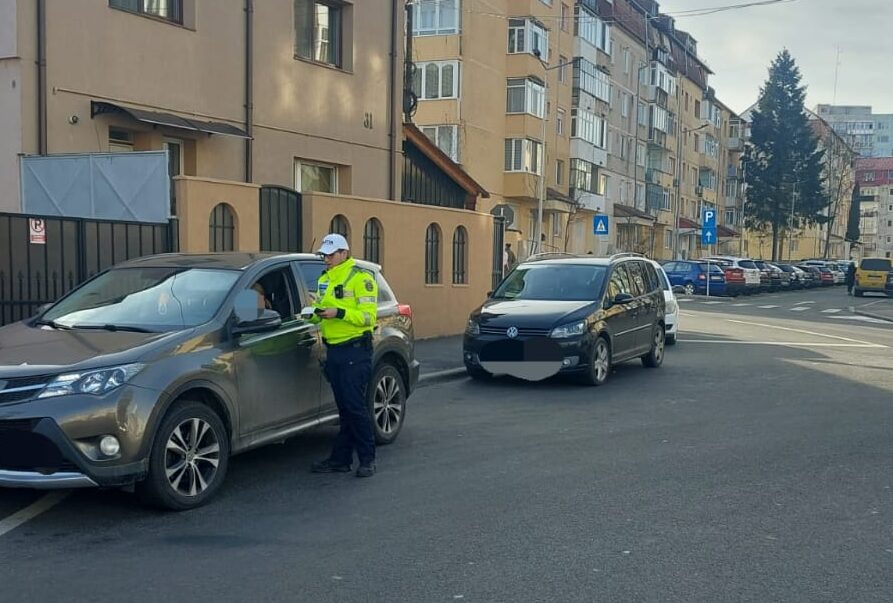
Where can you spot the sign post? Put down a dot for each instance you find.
(708, 237)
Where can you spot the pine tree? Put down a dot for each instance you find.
(785, 185)
(853, 228)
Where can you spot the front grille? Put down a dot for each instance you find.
(23, 450)
(21, 388)
(522, 331)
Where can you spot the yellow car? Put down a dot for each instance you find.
(874, 274)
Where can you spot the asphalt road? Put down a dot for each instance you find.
(755, 465)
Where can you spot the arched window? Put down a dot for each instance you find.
(460, 256)
(340, 225)
(372, 241)
(222, 229)
(432, 255)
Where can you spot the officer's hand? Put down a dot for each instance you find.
(329, 313)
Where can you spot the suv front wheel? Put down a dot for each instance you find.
(600, 364)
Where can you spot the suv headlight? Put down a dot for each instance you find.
(473, 328)
(571, 330)
(91, 382)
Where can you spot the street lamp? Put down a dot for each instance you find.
(679, 136)
(542, 184)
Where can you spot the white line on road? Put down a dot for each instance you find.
(872, 303)
(791, 344)
(803, 303)
(768, 307)
(712, 303)
(42, 505)
(688, 315)
(876, 321)
(805, 332)
(740, 305)
(799, 309)
(831, 311)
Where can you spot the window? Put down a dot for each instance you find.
(340, 225)
(460, 256)
(661, 78)
(318, 29)
(624, 104)
(582, 175)
(643, 114)
(439, 79)
(436, 17)
(559, 171)
(170, 10)
(562, 70)
(432, 255)
(275, 291)
(665, 202)
(711, 146)
(175, 166)
(641, 155)
(590, 127)
(525, 96)
(526, 35)
(565, 15)
(372, 241)
(222, 229)
(589, 78)
(120, 141)
(556, 225)
(592, 29)
(603, 182)
(627, 60)
(560, 117)
(446, 138)
(668, 239)
(640, 193)
(868, 177)
(315, 177)
(697, 108)
(523, 155)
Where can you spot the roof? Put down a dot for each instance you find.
(157, 118)
(625, 211)
(725, 231)
(230, 260)
(452, 169)
(686, 223)
(874, 163)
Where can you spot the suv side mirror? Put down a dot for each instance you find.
(489, 294)
(622, 298)
(266, 322)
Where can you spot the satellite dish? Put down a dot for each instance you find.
(506, 212)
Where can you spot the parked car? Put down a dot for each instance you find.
(568, 314)
(798, 278)
(814, 275)
(826, 276)
(746, 267)
(691, 275)
(838, 271)
(874, 274)
(671, 313)
(784, 276)
(772, 277)
(155, 371)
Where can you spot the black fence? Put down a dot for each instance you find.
(65, 253)
(280, 219)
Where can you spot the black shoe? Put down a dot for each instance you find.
(327, 466)
(366, 470)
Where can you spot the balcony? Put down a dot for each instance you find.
(580, 149)
(736, 143)
(652, 176)
(588, 201)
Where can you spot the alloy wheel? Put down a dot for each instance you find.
(600, 360)
(192, 457)
(387, 405)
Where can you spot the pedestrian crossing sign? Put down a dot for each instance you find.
(600, 225)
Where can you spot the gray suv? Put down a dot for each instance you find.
(154, 372)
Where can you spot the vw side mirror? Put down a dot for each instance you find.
(266, 322)
(623, 298)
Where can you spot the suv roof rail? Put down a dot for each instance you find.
(550, 254)
(624, 254)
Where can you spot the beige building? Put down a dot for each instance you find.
(301, 94)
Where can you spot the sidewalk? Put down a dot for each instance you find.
(874, 307)
(440, 357)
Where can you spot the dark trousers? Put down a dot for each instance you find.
(349, 369)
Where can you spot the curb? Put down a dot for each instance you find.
(441, 376)
(873, 315)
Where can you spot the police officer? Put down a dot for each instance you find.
(346, 307)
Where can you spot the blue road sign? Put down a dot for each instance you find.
(710, 218)
(708, 236)
(600, 225)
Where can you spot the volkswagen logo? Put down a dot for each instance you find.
(512, 332)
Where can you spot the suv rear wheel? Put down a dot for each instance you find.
(189, 458)
(655, 357)
(387, 400)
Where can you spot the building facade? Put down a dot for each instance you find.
(869, 134)
(875, 178)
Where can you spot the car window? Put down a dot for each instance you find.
(747, 264)
(662, 278)
(560, 282)
(275, 290)
(637, 278)
(651, 277)
(670, 267)
(875, 264)
(620, 282)
(385, 294)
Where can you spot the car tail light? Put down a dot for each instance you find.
(404, 310)
(701, 277)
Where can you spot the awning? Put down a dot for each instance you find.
(686, 224)
(724, 232)
(167, 119)
(626, 211)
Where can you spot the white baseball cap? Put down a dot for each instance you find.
(332, 243)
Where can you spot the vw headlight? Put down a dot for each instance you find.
(473, 328)
(95, 382)
(672, 306)
(571, 330)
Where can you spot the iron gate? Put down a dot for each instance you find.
(74, 250)
(280, 219)
(498, 245)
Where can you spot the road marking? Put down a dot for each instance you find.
(805, 332)
(873, 303)
(740, 305)
(42, 505)
(768, 307)
(831, 311)
(790, 344)
(685, 299)
(799, 309)
(688, 315)
(804, 303)
(712, 303)
(870, 319)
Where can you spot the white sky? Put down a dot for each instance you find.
(739, 45)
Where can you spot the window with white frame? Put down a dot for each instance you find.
(590, 127)
(641, 154)
(592, 29)
(707, 179)
(560, 118)
(711, 146)
(660, 118)
(436, 17)
(527, 35)
(643, 114)
(437, 79)
(446, 138)
(523, 155)
(668, 239)
(662, 79)
(627, 60)
(624, 104)
(559, 171)
(640, 193)
(665, 202)
(730, 217)
(562, 69)
(589, 78)
(603, 184)
(525, 96)
(582, 176)
(315, 177)
(731, 188)
(565, 17)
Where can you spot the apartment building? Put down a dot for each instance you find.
(869, 134)
(493, 82)
(875, 178)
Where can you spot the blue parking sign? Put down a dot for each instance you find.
(600, 225)
(708, 235)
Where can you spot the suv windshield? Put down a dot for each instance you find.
(150, 299)
(558, 282)
(876, 264)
